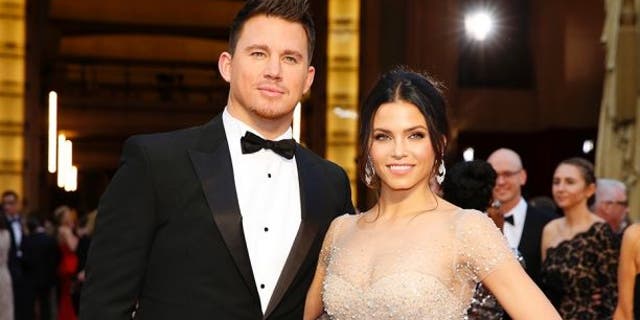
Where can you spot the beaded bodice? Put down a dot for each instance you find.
(424, 269)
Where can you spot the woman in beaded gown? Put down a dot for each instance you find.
(413, 255)
(579, 251)
(628, 307)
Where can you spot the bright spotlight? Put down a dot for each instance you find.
(587, 146)
(468, 154)
(478, 25)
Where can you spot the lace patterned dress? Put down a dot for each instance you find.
(425, 269)
(577, 268)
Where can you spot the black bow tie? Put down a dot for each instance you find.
(509, 219)
(252, 143)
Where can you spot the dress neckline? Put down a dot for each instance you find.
(578, 235)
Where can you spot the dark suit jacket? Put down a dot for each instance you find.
(21, 277)
(169, 233)
(530, 242)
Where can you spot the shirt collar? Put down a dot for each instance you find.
(519, 212)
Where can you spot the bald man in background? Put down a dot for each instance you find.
(523, 223)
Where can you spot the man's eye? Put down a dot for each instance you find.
(290, 59)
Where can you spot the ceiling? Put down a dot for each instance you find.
(127, 67)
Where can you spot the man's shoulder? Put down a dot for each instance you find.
(179, 138)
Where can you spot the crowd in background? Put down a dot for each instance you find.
(41, 261)
(569, 245)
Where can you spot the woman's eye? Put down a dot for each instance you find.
(381, 137)
(417, 135)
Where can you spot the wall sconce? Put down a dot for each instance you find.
(53, 131)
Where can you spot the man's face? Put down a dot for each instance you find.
(510, 178)
(612, 207)
(10, 205)
(269, 70)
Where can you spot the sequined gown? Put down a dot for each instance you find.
(425, 269)
(6, 294)
(577, 268)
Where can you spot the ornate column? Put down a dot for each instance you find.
(12, 100)
(343, 55)
(618, 153)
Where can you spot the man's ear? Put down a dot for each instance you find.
(523, 177)
(311, 73)
(224, 65)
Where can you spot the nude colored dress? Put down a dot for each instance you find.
(420, 270)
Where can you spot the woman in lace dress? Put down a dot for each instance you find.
(629, 276)
(413, 255)
(6, 293)
(579, 250)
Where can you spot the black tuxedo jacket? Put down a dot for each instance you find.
(530, 242)
(169, 235)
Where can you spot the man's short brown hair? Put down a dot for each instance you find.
(296, 11)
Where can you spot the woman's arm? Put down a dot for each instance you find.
(518, 294)
(626, 274)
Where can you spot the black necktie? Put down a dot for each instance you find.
(509, 219)
(252, 143)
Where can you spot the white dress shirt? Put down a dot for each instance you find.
(513, 233)
(269, 197)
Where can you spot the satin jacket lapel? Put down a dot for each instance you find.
(311, 204)
(524, 246)
(212, 163)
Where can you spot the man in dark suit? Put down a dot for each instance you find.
(23, 294)
(523, 223)
(214, 222)
(41, 253)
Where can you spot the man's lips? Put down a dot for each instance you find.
(271, 90)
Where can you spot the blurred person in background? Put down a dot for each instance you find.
(23, 294)
(68, 265)
(611, 204)
(523, 223)
(6, 292)
(85, 232)
(41, 253)
(579, 250)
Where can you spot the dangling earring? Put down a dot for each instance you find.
(369, 172)
(442, 170)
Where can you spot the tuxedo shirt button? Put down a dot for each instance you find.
(266, 229)
(262, 286)
(269, 175)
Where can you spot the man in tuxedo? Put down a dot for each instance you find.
(23, 293)
(224, 220)
(523, 223)
(41, 253)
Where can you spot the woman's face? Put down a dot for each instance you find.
(401, 150)
(569, 187)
